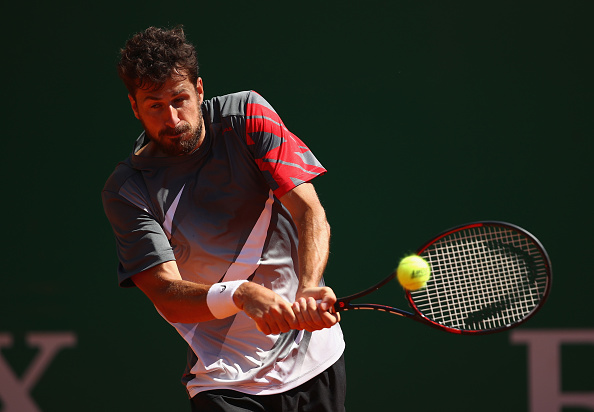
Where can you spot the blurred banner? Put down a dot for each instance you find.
(427, 115)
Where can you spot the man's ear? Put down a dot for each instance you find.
(134, 105)
(200, 90)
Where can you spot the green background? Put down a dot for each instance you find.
(427, 114)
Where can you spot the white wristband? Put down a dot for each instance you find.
(220, 299)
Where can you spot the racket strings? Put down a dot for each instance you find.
(482, 278)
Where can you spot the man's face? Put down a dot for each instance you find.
(171, 116)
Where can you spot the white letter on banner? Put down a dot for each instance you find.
(544, 368)
(16, 394)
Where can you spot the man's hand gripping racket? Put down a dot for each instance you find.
(486, 277)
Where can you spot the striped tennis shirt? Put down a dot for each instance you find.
(217, 213)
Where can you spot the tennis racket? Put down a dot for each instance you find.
(486, 277)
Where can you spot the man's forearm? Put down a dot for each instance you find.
(314, 248)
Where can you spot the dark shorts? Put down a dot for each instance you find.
(324, 393)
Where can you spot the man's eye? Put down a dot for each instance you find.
(155, 106)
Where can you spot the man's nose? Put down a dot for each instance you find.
(172, 118)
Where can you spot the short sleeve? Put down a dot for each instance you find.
(281, 156)
(140, 239)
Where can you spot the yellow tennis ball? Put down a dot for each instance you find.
(413, 272)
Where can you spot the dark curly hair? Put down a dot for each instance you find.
(153, 56)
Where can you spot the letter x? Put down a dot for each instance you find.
(15, 393)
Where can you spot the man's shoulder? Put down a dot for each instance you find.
(234, 104)
(122, 173)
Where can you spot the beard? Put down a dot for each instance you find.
(186, 140)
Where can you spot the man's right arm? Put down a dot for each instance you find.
(178, 300)
(182, 301)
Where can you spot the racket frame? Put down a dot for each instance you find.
(344, 304)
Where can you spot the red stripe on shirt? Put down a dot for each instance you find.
(255, 109)
(283, 161)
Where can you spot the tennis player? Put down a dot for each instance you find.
(217, 222)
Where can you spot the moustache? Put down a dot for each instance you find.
(175, 131)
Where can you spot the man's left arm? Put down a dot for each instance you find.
(312, 303)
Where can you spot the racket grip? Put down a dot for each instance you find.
(331, 309)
